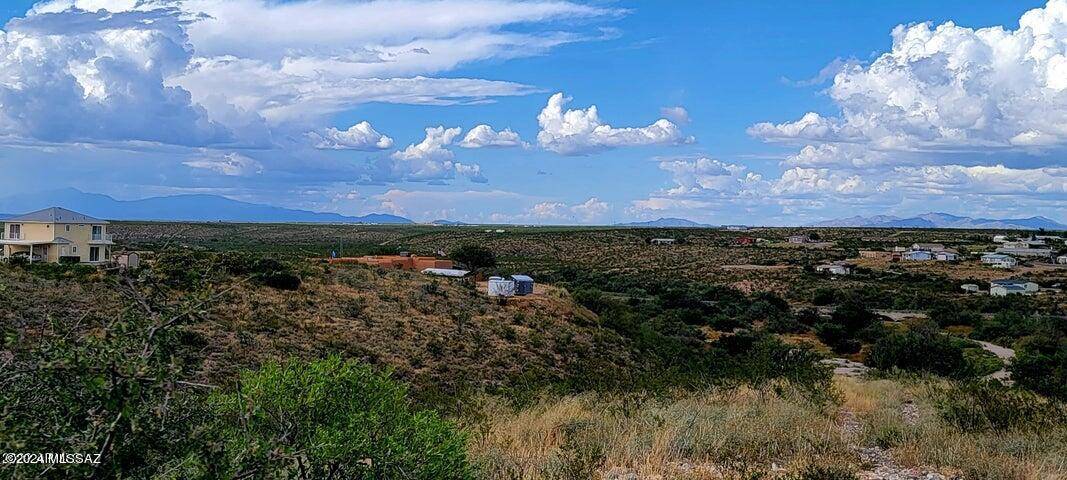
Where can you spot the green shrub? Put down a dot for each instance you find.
(475, 257)
(1041, 366)
(182, 268)
(988, 405)
(68, 260)
(237, 263)
(274, 274)
(919, 351)
(332, 419)
(836, 337)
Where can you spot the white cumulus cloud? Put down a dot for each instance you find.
(206, 72)
(100, 77)
(579, 132)
(590, 211)
(707, 175)
(361, 136)
(427, 161)
(952, 87)
(483, 136)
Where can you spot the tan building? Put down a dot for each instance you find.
(399, 262)
(54, 233)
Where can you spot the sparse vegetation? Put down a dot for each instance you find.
(231, 352)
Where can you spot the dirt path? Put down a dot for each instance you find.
(1005, 355)
(878, 462)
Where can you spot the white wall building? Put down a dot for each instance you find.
(997, 260)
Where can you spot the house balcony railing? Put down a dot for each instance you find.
(102, 237)
(10, 236)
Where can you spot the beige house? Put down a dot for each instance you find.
(54, 233)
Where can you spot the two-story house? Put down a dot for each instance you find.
(56, 233)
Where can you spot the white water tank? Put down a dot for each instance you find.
(500, 287)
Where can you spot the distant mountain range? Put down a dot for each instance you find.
(194, 208)
(663, 223)
(944, 220)
(448, 222)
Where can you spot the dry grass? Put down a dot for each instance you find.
(745, 432)
(702, 435)
(924, 439)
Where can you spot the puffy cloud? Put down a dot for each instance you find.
(230, 164)
(706, 175)
(838, 155)
(361, 136)
(427, 161)
(819, 181)
(126, 69)
(590, 211)
(664, 204)
(677, 114)
(952, 87)
(484, 136)
(432, 147)
(1049, 182)
(579, 132)
(99, 77)
(811, 126)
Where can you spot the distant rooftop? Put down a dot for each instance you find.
(55, 215)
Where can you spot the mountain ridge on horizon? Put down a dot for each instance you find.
(664, 222)
(185, 207)
(943, 220)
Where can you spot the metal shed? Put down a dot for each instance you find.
(499, 287)
(524, 285)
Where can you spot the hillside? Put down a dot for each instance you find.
(663, 223)
(439, 335)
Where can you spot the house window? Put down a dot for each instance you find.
(15, 232)
(74, 249)
(98, 232)
(68, 227)
(94, 254)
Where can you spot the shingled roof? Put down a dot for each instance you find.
(55, 215)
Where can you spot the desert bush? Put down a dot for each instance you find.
(837, 338)
(948, 314)
(987, 405)
(107, 385)
(274, 274)
(784, 324)
(237, 263)
(1041, 366)
(182, 268)
(823, 296)
(919, 351)
(332, 419)
(474, 257)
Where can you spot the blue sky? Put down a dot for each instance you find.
(719, 111)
